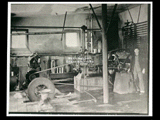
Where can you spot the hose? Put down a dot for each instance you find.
(94, 99)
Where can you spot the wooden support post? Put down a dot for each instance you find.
(105, 54)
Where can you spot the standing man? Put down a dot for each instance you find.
(137, 72)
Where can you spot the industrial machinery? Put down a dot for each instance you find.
(34, 83)
(39, 83)
(119, 60)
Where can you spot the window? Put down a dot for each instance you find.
(19, 41)
(71, 39)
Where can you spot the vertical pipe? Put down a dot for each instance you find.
(105, 54)
(64, 25)
(91, 34)
(135, 39)
(83, 39)
(83, 46)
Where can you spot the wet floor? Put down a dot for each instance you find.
(67, 101)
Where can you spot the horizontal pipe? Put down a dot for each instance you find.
(50, 68)
(43, 27)
(96, 29)
(37, 33)
(142, 22)
(142, 27)
(142, 31)
(64, 84)
(139, 24)
(49, 27)
(62, 80)
(80, 85)
(142, 34)
(43, 33)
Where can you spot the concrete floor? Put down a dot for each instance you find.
(68, 102)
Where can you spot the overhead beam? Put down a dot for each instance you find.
(105, 54)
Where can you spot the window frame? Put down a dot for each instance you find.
(78, 39)
(26, 40)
